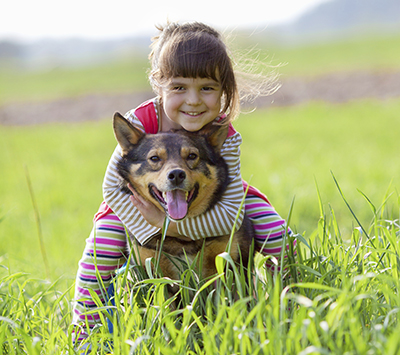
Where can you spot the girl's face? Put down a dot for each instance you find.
(191, 103)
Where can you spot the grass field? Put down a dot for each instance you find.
(126, 75)
(343, 296)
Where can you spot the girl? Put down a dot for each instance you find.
(193, 77)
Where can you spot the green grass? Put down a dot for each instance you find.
(291, 147)
(342, 299)
(66, 165)
(369, 52)
(126, 75)
(344, 296)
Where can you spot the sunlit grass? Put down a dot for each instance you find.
(66, 165)
(128, 75)
(370, 52)
(342, 299)
(338, 163)
(296, 146)
(343, 294)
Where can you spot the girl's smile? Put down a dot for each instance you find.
(190, 103)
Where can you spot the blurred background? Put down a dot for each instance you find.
(96, 54)
(66, 67)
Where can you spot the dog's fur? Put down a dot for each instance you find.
(179, 166)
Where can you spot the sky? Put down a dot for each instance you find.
(28, 20)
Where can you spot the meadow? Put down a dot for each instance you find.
(331, 169)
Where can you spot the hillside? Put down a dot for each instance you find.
(339, 17)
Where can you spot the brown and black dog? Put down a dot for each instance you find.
(184, 175)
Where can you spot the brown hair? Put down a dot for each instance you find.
(194, 50)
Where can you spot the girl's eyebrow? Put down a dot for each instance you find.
(173, 83)
(211, 83)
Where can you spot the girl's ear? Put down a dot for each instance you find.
(125, 133)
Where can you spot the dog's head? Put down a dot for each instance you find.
(181, 172)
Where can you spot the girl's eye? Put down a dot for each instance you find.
(192, 156)
(155, 159)
(208, 88)
(178, 88)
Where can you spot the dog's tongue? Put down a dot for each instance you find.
(176, 204)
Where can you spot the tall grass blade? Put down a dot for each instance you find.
(351, 210)
(163, 235)
(38, 224)
(355, 217)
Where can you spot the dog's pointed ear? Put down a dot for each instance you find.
(125, 133)
(216, 135)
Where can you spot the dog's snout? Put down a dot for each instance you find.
(176, 176)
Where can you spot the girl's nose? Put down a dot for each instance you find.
(193, 98)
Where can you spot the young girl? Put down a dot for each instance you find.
(193, 77)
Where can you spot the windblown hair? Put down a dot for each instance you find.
(192, 50)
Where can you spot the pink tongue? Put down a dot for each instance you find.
(176, 204)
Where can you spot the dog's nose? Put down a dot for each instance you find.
(176, 176)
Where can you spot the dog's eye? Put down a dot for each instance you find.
(192, 156)
(155, 159)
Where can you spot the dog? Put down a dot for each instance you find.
(183, 174)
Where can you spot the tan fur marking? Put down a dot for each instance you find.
(207, 187)
(186, 156)
(161, 153)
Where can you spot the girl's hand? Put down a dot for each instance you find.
(153, 215)
(150, 213)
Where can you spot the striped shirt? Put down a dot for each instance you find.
(215, 222)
